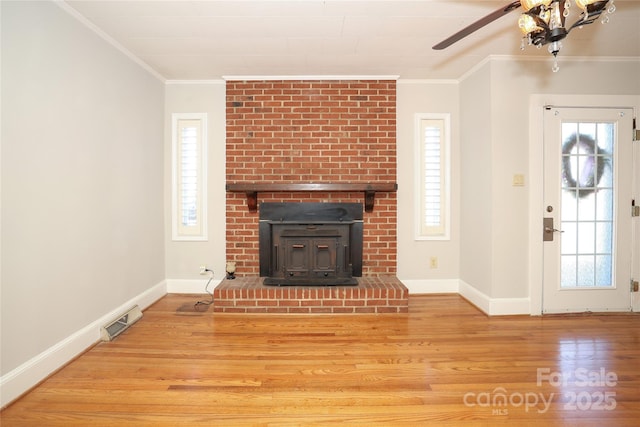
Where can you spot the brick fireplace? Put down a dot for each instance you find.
(311, 133)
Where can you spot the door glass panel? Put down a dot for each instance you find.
(604, 203)
(569, 241)
(586, 270)
(604, 231)
(586, 208)
(569, 205)
(587, 205)
(568, 271)
(603, 270)
(586, 238)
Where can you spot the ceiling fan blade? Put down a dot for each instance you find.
(477, 25)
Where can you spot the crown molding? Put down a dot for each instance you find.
(540, 58)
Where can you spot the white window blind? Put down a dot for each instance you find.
(432, 181)
(189, 177)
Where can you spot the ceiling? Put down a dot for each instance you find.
(212, 39)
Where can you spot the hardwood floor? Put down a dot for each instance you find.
(443, 363)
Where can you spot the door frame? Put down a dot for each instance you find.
(536, 178)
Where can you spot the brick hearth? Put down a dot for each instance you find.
(373, 294)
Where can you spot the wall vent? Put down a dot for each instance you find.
(119, 325)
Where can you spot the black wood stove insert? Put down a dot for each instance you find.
(312, 244)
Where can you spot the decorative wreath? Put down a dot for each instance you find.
(592, 170)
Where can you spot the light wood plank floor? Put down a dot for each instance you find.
(444, 363)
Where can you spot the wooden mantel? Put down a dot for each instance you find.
(369, 189)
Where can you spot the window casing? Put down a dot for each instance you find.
(432, 178)
(189, 176)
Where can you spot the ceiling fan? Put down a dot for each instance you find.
(542, 22)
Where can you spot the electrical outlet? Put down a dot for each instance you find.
(433, 262)
(203, 269)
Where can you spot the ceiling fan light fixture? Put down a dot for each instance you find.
(543, 21)
(582, 4)
(527, 5)
(528, 24)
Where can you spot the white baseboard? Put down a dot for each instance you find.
(510, 306)
(21, 379)
(445, 286)
(190, 286)
(491, 306)
(494, 306)
(474, 296)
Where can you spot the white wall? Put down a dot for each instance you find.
(413, 97)
(476, 171)
(510, 85)
(82, 188)
(183, 257)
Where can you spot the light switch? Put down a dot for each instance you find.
(433, 262)
(518, 180)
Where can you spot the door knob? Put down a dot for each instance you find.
(549, 229)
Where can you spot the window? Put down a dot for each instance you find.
(432, 181)
(189, 195)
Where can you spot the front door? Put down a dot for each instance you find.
(587, 232)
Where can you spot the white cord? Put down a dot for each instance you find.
(206, 289)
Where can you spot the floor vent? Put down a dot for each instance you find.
(119, 325)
